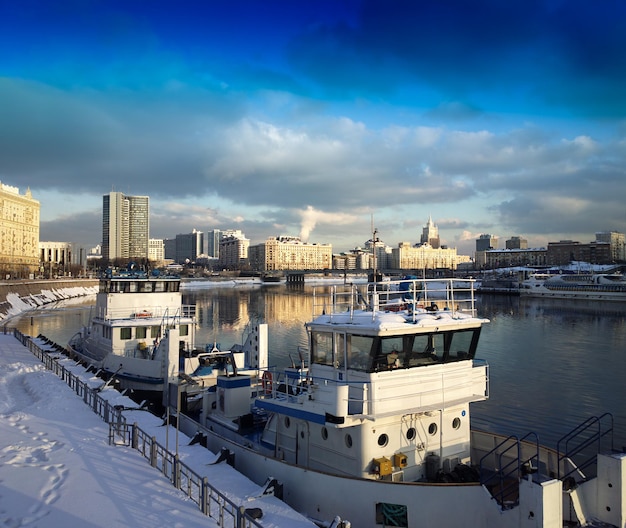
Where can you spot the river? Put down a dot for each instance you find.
(552, 364)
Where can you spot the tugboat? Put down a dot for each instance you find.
(373, 425)
(141, 335)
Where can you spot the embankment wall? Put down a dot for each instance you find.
(19, 296)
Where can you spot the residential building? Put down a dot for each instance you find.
(616, 241)
(125, 226)
(156, 250)
(566, 251)
(19, 233)
(424, 256)
(485, 242)
(233, 249)
(516, 242)
(506, 258)
(290, 253)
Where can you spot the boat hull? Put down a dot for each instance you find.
(322, 496)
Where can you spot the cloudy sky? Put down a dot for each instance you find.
(313, 117)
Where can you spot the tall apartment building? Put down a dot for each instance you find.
(233, 249)
(125, 226)
(290, 253)
(516, 242)
(19, 233)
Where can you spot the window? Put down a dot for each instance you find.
(155, 331)
(141, 332)
(183, 330)
(358, 351)
(126, 332)
(322, 348)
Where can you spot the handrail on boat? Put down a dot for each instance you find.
(504, 481)
(585, 437)
(456, 295)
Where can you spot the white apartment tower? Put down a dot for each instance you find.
(125, 226)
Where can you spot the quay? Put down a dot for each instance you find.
(208, 492)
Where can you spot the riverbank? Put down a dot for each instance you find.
(20, 296)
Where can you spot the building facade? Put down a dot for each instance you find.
(617, 243)
(424, 256)
(156, 250)
(485, 242)
(19, 233)
(189, 246)
(430, 234)
(290, 253)
(212, 243)
(125, 226)
(566, 251)
(506, 258)
(516, 242)
(233, 250)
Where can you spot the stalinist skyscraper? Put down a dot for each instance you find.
(430, 234)
(125, 226)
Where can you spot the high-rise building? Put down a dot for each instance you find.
(486, 242)
(189, 246)
(516, 242)
(430, 234)
(125, 226)
(19, 233)
(212, 243)
(233, 249)
(156, 249)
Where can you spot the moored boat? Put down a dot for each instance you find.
(141, 335)
(591, 286)
(373, 423)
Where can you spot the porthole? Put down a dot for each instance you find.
(349, 440)
(410, 434)
(287, 422)
(456, 423)
(383, 440)
(432, 429)
(324, 433)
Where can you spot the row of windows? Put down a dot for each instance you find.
(141, 332)
(373, 354)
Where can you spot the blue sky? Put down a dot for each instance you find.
(311, 118)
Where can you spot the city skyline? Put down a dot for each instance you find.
(311, 118)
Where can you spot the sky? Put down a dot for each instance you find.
(319, 118)
(57, 468)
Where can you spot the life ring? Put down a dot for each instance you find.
(266, 380)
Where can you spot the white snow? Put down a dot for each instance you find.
(57, 468)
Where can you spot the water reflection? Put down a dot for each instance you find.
(552, 363)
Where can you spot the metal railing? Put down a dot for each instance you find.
(502, 468)
(209, 499)
(580, 442)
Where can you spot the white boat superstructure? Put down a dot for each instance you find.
(598, 286)
(374, 424)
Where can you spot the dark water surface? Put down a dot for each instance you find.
(552, 364)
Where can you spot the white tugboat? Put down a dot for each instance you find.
(374, 424)
(134, 312)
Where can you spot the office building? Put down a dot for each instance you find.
(125, 226)
(19, 233)
(486, 242)
(233, 249)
